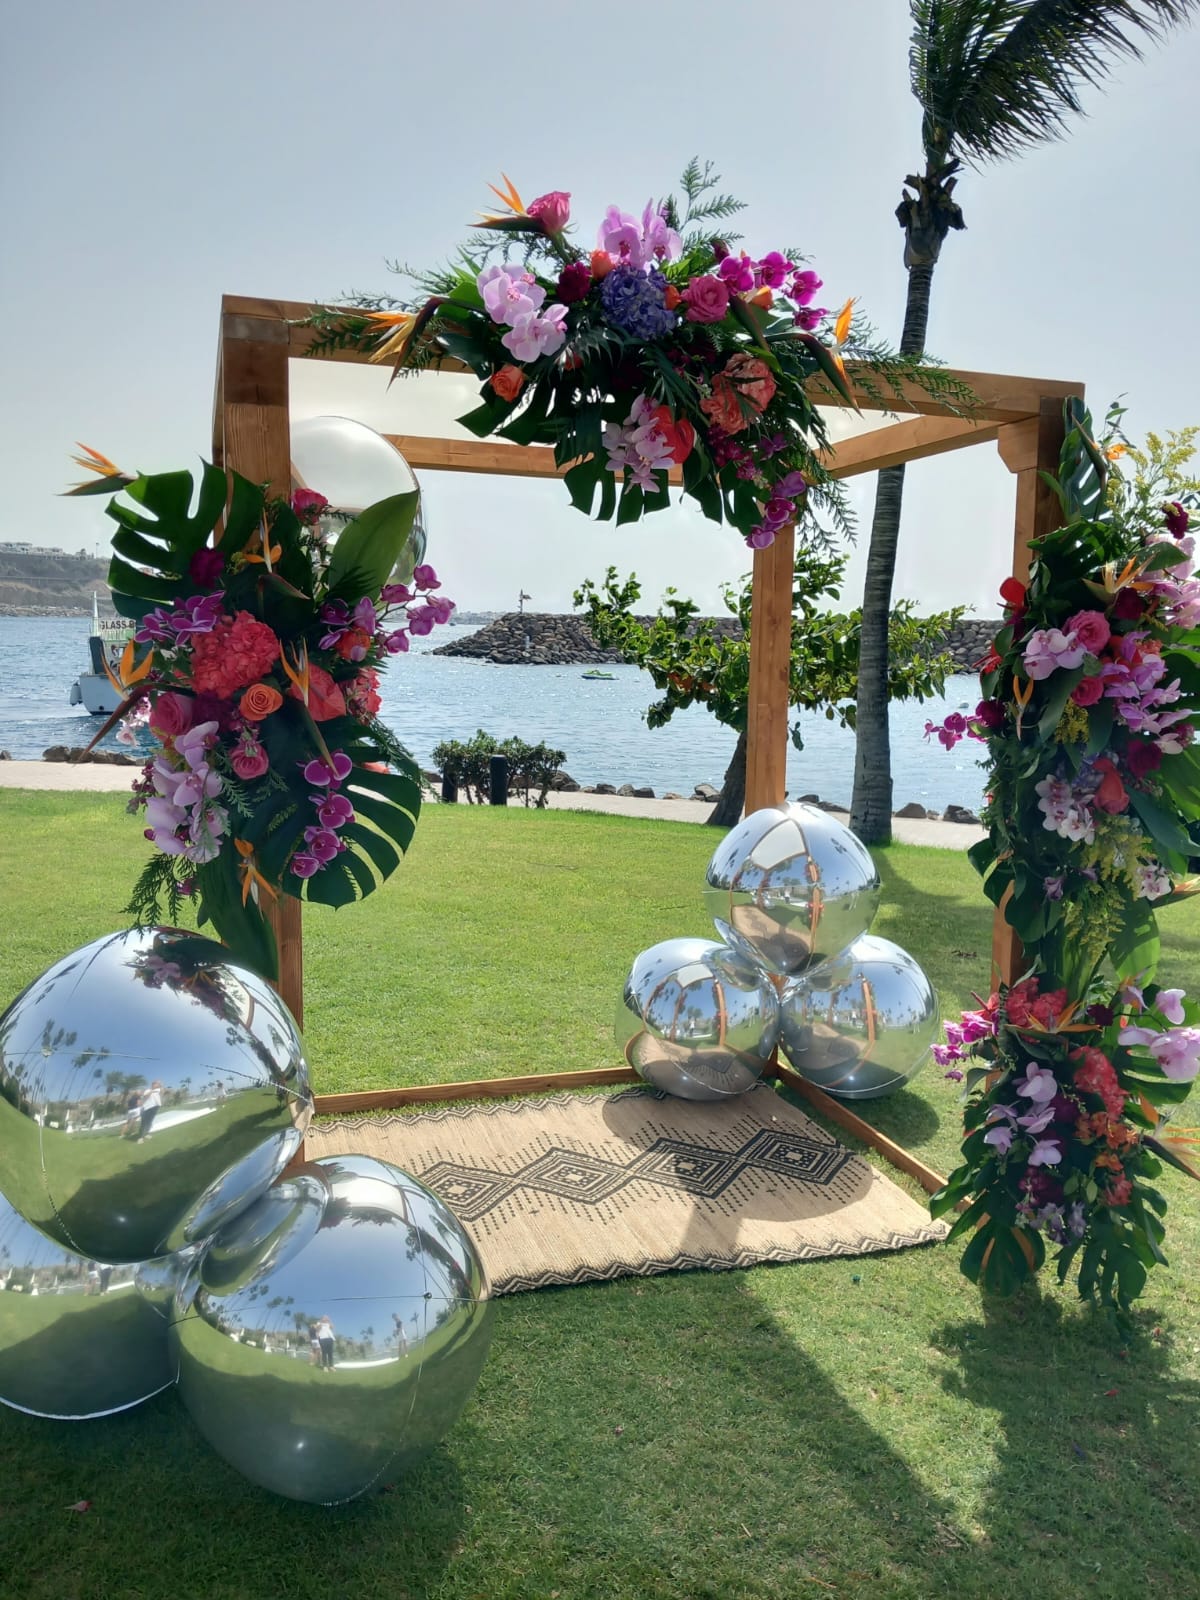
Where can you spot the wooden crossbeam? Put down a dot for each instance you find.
(999, 398)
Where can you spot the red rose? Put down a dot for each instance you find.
(574, 281)
(1111, 796)
(1087, 691)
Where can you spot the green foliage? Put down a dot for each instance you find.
(694, 662)
(998, 77)
(531, 767)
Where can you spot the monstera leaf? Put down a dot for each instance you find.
(159, 534)
(369, 547)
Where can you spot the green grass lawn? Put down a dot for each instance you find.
(859, 1428)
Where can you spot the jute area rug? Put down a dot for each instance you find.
(568, 1188)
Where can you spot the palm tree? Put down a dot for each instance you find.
(994, 78)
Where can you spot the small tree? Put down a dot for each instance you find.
(697, 661)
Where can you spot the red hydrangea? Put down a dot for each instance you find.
(1094, 1074)
(237, 652)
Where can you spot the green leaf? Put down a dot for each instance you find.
(581, 481)
(373, 844)
(1056, 701)
(332, 886)
(242, 928)
(1161, 826)
(1135, 946)
(369, 547)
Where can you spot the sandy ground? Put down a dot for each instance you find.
(66, 776)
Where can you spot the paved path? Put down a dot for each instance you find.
(64, 776)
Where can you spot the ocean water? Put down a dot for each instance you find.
(599, 725)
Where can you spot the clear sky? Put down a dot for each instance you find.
(155, 156)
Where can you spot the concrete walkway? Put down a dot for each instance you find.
(66, 776)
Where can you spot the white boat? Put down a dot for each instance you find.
(93, 689)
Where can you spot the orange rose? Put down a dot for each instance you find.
(671, 297)
(602, 264)
(753, 378)
(721, 406)
(508, 382)
(259, 700)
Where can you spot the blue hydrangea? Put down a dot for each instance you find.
(633, 302)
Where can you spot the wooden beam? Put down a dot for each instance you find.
(906, 441)
(770, 672)
(251, 435)
(337, 1105)
(1028, 450)
(494, 457)
(999, 397)
(838, 1111)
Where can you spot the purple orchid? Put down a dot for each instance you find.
(1046, 1153)
(1039, 1084)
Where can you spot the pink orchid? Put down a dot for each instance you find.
(1048, 649)
(532, 336)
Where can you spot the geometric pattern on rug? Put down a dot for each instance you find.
(572, 1188)
(696, 1170)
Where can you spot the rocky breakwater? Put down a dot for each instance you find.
(546, 639)
(542, 639)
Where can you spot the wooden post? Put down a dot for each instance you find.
(251, 435)
(770, 671)
(1027, 449)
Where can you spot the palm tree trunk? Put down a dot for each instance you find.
(871, 806)
(728, 809)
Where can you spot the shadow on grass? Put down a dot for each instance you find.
(1098, 1445)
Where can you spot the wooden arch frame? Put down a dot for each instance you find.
(1023, 416)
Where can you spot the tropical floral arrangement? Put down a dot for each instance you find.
(254, 669)
(1092, 698)
(663, 346)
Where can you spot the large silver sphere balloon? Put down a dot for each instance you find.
(76, 1338)
(860, 1026)
(353, 467)
(791, 886)
(331, 1334)
(149, 1088)
(697, 1019)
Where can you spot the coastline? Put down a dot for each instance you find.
(75, 777)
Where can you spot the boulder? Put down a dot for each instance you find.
(564, 783)
(626, 791)
(5, 755)
(959, 814)
(912, 809)
(671, 795)
(602, 788)
(644, 793)
(706, 792)
(101, 758)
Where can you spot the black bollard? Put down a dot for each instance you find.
(498, 780)
(449, 790)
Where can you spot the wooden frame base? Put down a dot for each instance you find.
(367, 1100)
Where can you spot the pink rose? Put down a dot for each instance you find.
(171, 714)
(707, 300)
(552, 210)
(1087, 691)
(1091, 630)
(249, 759)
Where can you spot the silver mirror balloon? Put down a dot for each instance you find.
(77, 1338)
(860, 1026)
(332, 1332)
(791, 886)
(697, 1019)
(353, 467)
(149, 1088)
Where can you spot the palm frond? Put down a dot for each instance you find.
(996, 77)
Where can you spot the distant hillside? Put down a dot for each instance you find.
(41, 583)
